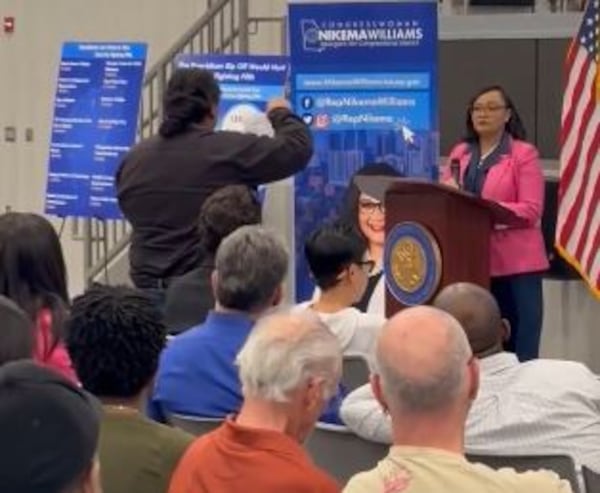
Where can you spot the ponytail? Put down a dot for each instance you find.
(189, 98)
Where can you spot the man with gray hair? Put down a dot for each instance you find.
(289, 367)
(426, 379)
(197, 373)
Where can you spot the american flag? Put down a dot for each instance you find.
(578, 223)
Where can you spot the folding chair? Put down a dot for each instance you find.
(340, 452)
(355, 371)
(194, 425)
(563, 465)
(591, 480)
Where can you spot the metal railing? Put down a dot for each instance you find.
(225, 27)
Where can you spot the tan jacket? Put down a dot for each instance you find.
(422, 470)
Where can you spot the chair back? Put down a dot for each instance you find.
(563, 465)
(591, 480)
(194, 425)
(341, 453)
(355, 371)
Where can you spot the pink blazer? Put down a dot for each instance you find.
(517, 183)
(57, 359)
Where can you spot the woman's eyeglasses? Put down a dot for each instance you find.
(367, 265)
(492, 108)
(369, 207)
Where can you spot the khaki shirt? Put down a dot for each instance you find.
(423, 470)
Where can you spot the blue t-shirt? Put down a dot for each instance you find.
(197, 374)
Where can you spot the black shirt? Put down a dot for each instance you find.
(162, 184)
(189, 298)
(478, 167)
(363, 303)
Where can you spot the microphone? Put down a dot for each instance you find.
(455, 171)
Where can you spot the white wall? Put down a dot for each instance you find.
(28, 67)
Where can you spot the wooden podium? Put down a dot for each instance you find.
(459, 222)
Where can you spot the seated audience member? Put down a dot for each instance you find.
(49, 431)
(289, 366)
(16, 333)
(538, 407)
(115, 336)
(197, 373)
(190, 297)
(335, 255)
(33, 275)
(426, 380)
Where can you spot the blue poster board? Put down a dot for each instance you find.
(95, 121)
(247, 83)
(364, 77)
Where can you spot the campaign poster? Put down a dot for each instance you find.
(95, 121)
(247, 83)
(364, 77)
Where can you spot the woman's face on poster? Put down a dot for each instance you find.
(371, 219)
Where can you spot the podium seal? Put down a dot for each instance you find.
(412, 263)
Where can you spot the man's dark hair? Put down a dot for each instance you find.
(330, 249)
(224, 211)
(115, 335)
(16, 332)
(191, 93)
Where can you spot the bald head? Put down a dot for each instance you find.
(283, 351)
(477, 311)
(422, 358)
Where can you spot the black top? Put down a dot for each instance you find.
(189, 298)
(363, 304)
(478, 168)
(162, 184)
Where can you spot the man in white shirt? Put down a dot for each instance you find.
(335, 256)
(427, 379)
(538, 407)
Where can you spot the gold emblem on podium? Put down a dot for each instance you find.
(408, 264)
(413, 263)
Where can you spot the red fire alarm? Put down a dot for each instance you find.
(9, 25)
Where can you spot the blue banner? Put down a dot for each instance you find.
(364, 77)
(247, 83)
(95, 121)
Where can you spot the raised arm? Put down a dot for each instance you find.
(266, 159)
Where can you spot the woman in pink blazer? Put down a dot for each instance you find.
(496, 163)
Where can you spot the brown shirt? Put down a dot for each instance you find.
(136, 454)
(233, 459)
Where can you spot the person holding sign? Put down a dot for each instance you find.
(496, 163)
(164, 180)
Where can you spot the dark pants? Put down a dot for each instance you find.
(521, 302)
